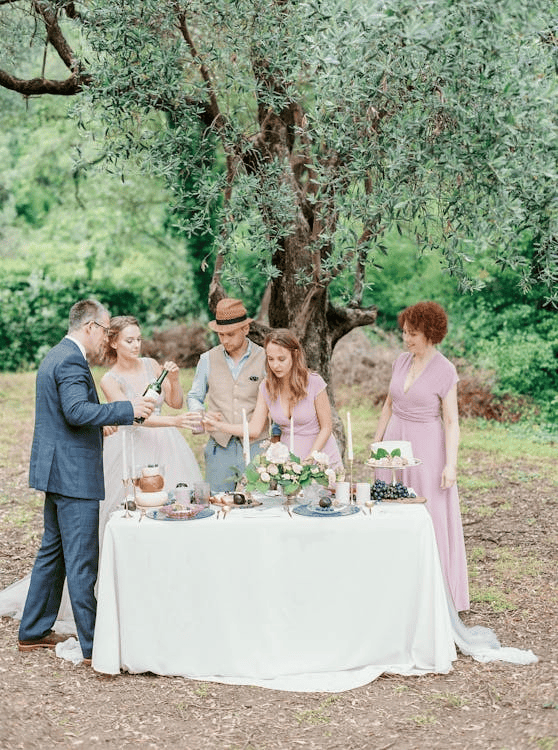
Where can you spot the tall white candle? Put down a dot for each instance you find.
(349, 438)
(133, 452)
(291, 436)
(124, 455)
(245, 438)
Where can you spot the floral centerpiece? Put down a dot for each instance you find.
(278, 468)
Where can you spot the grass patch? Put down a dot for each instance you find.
(449, 699)
(314, 716)
(494, 438)
(477, 483)
(511, 564)
(423, 720)
(497, 600)
(202, 691)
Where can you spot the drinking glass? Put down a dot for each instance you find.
(343, 493)
(362, 492)
(199, 427)
(202, 493)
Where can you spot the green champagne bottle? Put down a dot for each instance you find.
(153, 390)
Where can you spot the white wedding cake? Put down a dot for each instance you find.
(390, 446)
(150, 492)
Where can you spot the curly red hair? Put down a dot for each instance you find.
(428, 317)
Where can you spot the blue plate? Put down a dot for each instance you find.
(160, 515)
(331, 512)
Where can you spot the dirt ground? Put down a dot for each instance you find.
(511, 543)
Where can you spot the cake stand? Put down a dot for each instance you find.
(377, 464)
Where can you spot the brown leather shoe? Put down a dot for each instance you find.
(48, 641)
(86, 662)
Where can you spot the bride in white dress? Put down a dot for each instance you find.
(127, 378)
(156, 441)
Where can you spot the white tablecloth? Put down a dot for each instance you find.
(309, 604)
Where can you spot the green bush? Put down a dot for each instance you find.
(34, 314)
(518, 343)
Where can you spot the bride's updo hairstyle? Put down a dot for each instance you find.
(298, 376)
(117, 325)
(428, 317)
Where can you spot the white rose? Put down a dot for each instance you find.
(297, 468)
(320, 458)
(277, 453)
(273, 470)
(264, 476)
(315, 470)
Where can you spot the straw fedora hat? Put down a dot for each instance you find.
(230, 314)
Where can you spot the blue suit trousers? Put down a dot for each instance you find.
(69, 549)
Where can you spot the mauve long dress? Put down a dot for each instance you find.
(417, 417)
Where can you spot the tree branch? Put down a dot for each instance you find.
(37, 86)
(342, 320)
(214, 106)
(55, 36)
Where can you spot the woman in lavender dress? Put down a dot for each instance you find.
(421, 407)
(291, 390)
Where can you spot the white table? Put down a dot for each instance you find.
(310, 604)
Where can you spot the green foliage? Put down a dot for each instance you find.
(516, 341)
(357, 132)
(64, 215)
(34, 314)
(437, 118)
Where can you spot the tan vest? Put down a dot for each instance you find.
(230, 396)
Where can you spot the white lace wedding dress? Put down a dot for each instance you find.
(152, 445)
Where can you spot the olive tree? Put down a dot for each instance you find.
(318, 127)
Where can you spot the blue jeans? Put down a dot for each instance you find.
(220, 463)
(69, 549)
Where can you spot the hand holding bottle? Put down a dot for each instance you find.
(152, 392)
(173, 370)
(142, 408)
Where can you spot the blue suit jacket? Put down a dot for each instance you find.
(67, 452)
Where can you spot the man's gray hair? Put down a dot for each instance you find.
(84, 311)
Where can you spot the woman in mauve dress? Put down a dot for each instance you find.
(291, 390)
(421, 407)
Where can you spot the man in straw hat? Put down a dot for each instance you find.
(228, 378)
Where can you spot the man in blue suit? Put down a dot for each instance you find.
(67, 464)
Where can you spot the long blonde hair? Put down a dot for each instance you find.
(298, 376)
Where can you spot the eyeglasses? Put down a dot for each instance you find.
(105, 329)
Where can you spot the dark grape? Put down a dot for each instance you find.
(381, 490)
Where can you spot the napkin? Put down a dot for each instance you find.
(274, 511)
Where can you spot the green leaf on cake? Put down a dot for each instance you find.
(381, 453)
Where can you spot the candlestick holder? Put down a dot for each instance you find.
(127, 506)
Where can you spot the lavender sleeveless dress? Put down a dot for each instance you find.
(417, 417)
(305, 421)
